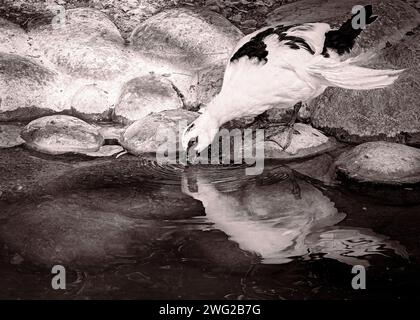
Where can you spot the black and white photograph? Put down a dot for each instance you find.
(221, 152)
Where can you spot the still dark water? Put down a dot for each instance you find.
(132, 229)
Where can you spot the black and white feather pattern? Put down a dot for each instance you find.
(279, 66)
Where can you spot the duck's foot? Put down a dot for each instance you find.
(288, 130)
(282, 137)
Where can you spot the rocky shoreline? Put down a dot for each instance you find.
(76, 83)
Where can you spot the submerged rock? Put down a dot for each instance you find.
(319, 167)
(62, 134)
(144, 95)
(157, 132)
(381, 162)
(27, 89)
(382, 114)
(60, 231)
(83, 43)
(188, 37)
(10, 136)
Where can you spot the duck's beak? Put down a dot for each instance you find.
(192, 154)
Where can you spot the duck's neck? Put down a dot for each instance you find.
(220, 109)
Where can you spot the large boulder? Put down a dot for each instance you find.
(190, 37)
(381, 162)
(82, 42)
(157, 131)
(383, 114)
(62, 134)
(27, 89)
(190, 45)
(143, 95)
(390, 26)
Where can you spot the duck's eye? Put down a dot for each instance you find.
(192, 142)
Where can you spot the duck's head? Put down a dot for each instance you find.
(200, 133)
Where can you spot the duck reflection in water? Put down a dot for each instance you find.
(280, 217)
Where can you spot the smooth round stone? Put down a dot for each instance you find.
(381, 162)
(61, 134)
(13, 38)
(91, 103)
(87, 44)
(10, 136)
(381, 114)
(156, 131)
(305, 141)
(27, 89)
(144, 95)
(188, 37)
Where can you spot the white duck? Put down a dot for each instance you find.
(283, 67)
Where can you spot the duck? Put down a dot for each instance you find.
(286, 66)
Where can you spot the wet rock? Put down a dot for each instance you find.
(86, 227)
(27, 89)
(214, 249)
(68, 234)
(144, 95)
(157, 131)
(13, 39)
(16, 259)
(105, 151)
(83, 43)
(320, 168)
(188, 37)
(381, 162)
(306, 141)
(62, 134)
(20, 177)
(383, 114)
(10, 136)
(91, 103)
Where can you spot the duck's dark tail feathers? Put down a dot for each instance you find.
(342, 40)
